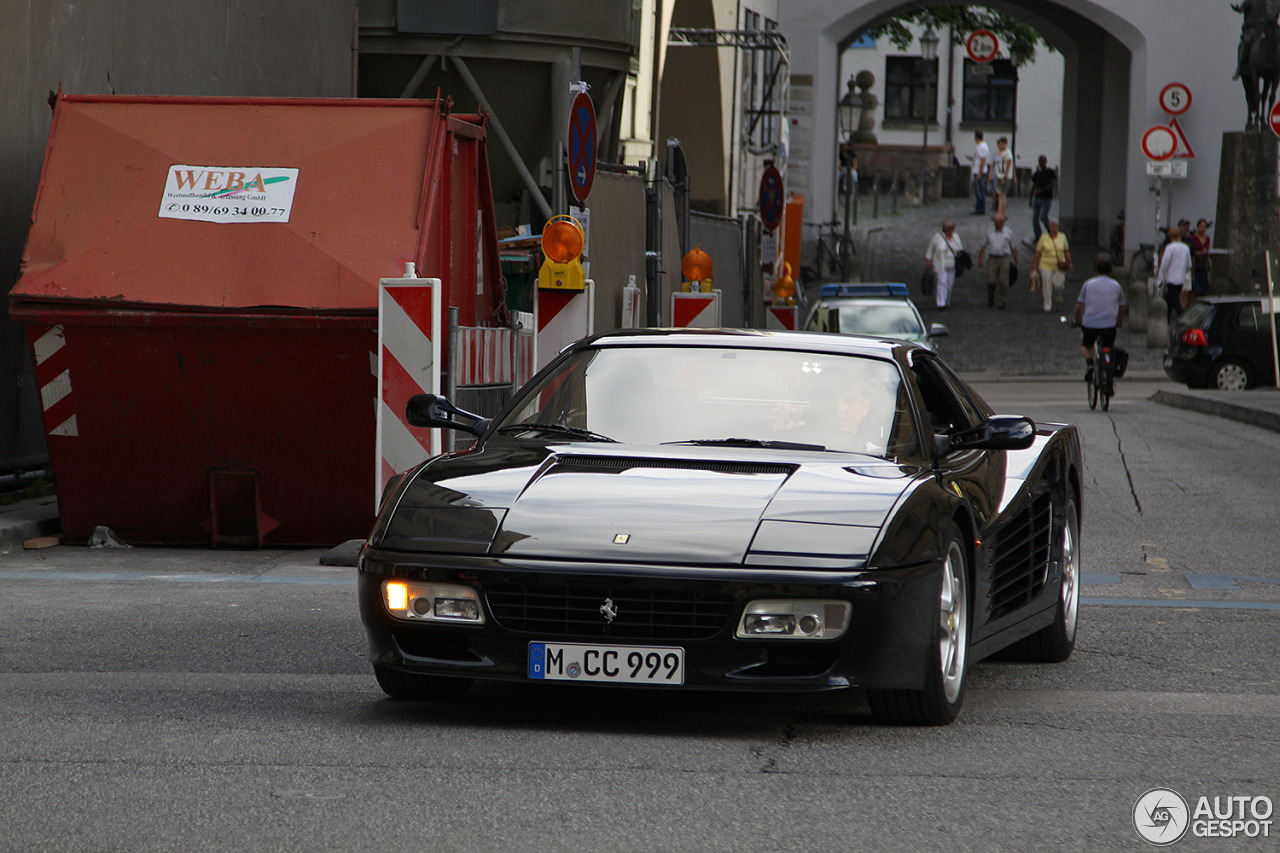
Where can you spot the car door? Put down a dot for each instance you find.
(1246, 335)
(977, 476)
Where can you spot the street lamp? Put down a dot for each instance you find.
(850, 114)
(928, 52)
(1014, 60)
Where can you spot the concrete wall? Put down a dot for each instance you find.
(143, 47)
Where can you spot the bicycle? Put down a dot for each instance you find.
(1100, 380)
(1143, 265)
(834, 254)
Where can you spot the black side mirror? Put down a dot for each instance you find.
(432, 410)
(1001, 432)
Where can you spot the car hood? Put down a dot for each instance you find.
(630, 503)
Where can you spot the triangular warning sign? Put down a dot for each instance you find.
(1183, 149)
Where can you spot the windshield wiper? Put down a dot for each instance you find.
(557, 429)
(749, 442)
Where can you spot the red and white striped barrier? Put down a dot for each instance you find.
(781, 319)
(53, 377)
(696, 310)
(494, 356)
(561, 318)
(408, 364)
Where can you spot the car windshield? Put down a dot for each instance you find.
(889, 319)
(722, 396)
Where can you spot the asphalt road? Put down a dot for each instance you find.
(177, 699)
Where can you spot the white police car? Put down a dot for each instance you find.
(879, 309)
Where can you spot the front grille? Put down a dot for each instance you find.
(1020, 562)
(554, 610)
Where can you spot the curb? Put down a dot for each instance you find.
(1268, 420)
(28, 520)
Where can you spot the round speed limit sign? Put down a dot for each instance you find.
(982, 45)
(1175, 99)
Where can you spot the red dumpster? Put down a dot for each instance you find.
(199, 287)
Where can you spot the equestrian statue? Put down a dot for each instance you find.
(1258, 58)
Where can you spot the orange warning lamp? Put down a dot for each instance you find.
(562, 245)
(696, 267)
(784, 289)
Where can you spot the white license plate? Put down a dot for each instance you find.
(655, 665)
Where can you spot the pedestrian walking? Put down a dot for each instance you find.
(1052, 262)
(941, 258)
(1003, 169)
(981, 162)
(1175, 267)
(1000, 249)
(1200, 244)
(1043, 182)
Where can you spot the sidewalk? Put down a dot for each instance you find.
(28, 519)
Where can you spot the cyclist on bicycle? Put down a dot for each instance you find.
(1100, 310)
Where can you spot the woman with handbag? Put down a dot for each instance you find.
(1050, 267)
(940, 258)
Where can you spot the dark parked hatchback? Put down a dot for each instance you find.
(1222, 342)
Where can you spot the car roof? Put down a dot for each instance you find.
(756, 339)
(864, 289)
(866, 301)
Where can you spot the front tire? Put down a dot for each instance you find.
(1093, 390)
(409, 686)
(938, 704)
(1231, 375)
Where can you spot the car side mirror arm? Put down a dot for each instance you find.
(432, 410)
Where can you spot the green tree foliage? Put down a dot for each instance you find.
(1016, 36)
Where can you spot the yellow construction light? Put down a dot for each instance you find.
(785, 287)
(562, 247)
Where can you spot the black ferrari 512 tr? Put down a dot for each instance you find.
(730, 510)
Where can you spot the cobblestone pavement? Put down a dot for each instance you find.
(1021, 340)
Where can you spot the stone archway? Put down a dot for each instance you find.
(1105, 60)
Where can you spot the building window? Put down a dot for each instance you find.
(904, 82)
(989, 91)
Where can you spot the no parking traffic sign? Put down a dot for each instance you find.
(771, 198)
(582, 146)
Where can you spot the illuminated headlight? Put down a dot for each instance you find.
(433, 602)
(794, 620)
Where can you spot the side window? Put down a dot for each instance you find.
(947, 407)
(1248, 318)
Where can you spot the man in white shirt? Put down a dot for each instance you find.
(981, 161)
(999, 248)
(1175, 266)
